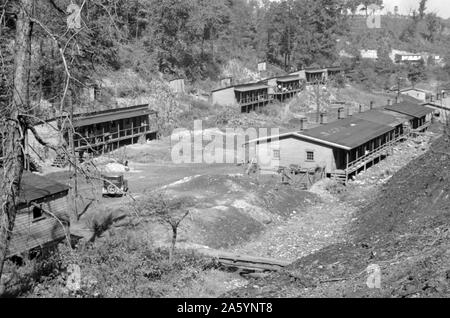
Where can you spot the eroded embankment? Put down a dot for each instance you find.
(404, 232)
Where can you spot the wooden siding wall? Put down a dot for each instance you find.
(29, 234)
(293, 152)
(224, 97)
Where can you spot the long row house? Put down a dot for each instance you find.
(344, 147)
(96, 133)
(252, 96)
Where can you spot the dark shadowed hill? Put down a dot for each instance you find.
(405, 232)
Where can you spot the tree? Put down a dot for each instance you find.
(416, 73)
(169, 211)
(71, 54)
(13, 128)
(422, 8)
(368, 3)
(433, 25)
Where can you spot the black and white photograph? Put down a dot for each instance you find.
(224, 155)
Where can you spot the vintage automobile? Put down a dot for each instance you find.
(114, 185)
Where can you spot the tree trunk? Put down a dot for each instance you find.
(74, 177)
(174, 241)
(318, 102)
(13, 130)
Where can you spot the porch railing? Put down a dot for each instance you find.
(361, 161)
(110, 137)
(255, 100)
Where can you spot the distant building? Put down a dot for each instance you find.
(42, 218)
(408, 58)
(316, 75)
(285, 87)
(177, 85)
(369, 54)
(248, 97)
(262, 66)
(417, 93)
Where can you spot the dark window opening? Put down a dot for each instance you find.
(310, 155)
(38, 214)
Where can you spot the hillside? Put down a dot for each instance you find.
(404, 231)
(398, 32)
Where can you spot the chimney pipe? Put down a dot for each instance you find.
(302, 124)
(340, 110)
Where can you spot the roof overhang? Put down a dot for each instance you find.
(298, 135)
(251, 88)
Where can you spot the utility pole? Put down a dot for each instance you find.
(398, 86)
(318, 101)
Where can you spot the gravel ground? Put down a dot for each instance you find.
(304, 233)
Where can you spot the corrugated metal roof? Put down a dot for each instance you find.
(315, 70)
(410, 109)
(111, 115)
(383, 118)
(401, 117)
(348, 133)
(34, 187)
(288, 78)
(250, 87)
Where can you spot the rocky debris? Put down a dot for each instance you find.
(403, 153)
(403, 230)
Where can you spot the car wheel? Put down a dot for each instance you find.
(112, 189)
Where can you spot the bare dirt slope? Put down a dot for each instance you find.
(405, 231)
(233, 209)
(304, 232)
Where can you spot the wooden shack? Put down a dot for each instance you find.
(42, 218)
(248, 97)
(334, 72)
(104, 131)
(316, 75)
(286, 87)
